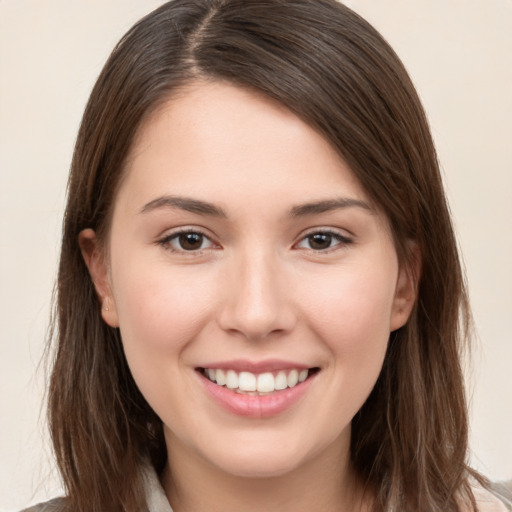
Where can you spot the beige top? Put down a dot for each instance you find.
(490, 502)
(157, 500)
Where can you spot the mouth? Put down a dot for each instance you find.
(258, 384)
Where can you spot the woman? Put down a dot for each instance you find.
(259, 290)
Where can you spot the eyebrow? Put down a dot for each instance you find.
(327, 206)
(185, 203)
(205, 208)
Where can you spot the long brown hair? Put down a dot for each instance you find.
(332, 69)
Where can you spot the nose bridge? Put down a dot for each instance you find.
(256, 302)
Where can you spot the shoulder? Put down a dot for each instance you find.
(492, 500)
(55, 505)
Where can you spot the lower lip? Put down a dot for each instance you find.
(256, 406)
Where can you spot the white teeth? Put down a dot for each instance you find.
(265, 383)
(220, 377)
(281, 382)
(247, 382)
(231, 379)
(293, 378)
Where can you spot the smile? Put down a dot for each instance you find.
(256, 389)
(257, 384)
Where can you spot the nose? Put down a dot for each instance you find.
(257, 300)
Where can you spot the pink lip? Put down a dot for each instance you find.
(242, 365)
(255, 406)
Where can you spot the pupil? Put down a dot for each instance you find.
(191, 241)
(320, 241)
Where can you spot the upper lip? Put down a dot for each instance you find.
(268, 365)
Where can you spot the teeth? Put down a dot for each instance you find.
(293, 378)
(247, 382)
(220, 377)
(281, 382)
(265, 383)
(231, 379)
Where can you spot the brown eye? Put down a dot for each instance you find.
(320, 241)
(190, 241)
(186, 241)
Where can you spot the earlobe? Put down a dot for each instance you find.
(94, 257)
(406, 291)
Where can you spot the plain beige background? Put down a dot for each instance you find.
(459, 53)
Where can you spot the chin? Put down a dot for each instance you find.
(261, 458)
(265, 466)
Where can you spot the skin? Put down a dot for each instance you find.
(256, 289)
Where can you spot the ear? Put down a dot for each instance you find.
(95, 260)
(406, 291)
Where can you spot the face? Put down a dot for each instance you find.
(254, 283)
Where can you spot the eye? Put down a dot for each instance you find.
(187, 241)
(323, 241)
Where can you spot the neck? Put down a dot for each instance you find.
(326, 483)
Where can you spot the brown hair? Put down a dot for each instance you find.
(331, 68)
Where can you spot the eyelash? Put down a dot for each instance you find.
(166, 241)
(342, 240)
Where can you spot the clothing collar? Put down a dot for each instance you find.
(155, 495)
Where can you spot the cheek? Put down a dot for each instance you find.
(160, 309)
(352, 314)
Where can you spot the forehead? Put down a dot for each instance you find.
(217, 141)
